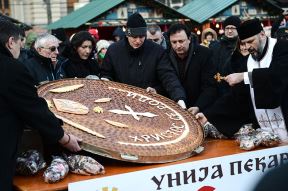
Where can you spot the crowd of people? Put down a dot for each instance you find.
(252, 70)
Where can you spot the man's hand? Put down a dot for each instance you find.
(182, 104)
(105, 79)
(70, 142)
(193, 110)
(235, 78)
(151, 90)
(92, 77)
(201, 118)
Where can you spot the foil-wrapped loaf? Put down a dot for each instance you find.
(244, 133)
(29, 163)
(250, 141)
(249, 138)
(57, 170)
(269, 139)
(245, 130)
(84, 165)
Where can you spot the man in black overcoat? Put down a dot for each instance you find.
(223, 51)
(20, 106)
(142, 63)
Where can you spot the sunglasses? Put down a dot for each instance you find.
(52, 48)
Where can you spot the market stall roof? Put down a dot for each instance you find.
(201, 10)
(95, 9)
(84, 14)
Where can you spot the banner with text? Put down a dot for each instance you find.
(234, 172)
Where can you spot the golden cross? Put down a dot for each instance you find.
(218, 77)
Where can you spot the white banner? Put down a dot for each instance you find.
(234, 172)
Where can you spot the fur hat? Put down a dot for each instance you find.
(249, 28)
(232, 20)
(136, 25)
(208, 30)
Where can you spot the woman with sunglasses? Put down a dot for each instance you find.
(81, 63)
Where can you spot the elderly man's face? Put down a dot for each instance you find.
(136, 42)
(180, 43)
(230, 31)
(49, 50)
(157, 37)
(255, 45)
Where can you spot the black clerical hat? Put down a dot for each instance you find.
(249, 28)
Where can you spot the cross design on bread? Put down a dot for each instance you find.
(134, 114)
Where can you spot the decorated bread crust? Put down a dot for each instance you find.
(66, 88)
(69, 106)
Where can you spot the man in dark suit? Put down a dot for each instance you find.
(194, 68)
(260, 91)
(20, 105)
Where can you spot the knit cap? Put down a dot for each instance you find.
(136, 25)
(232, 20)
(102, 44)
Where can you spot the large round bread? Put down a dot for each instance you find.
(156, 129)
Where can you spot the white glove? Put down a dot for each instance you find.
(182, 104)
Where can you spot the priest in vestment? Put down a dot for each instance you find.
(260, 92)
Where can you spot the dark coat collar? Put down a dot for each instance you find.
(42, 60)
(5, 51)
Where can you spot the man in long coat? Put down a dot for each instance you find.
(20, 106)
(259, 93)
(194, 68)
(142, 63)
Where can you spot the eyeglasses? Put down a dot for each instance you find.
(52, 48)
(230, 28)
